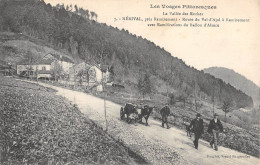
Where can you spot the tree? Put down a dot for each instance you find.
(58, 6)
(173, 99)
(213, 100)
(1, 23)
(76, 9)
(87, 14)
(213, 96)
(31, 59)
(93, 15)
(145, 85)
(57, 70)
(226, 105)
(197, 104)
(184, 95)
(67, 8)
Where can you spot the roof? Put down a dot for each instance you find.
(25, 62)
(91, 63)
(82, 63)
(104, 68)
(60, 57)
(44, 72)
(45, 61)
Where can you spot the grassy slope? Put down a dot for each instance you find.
(14, 47)
(39, 127)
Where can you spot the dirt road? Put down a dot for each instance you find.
(156, 144)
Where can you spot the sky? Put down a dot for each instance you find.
(232, 45)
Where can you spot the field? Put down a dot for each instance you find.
(38, 127)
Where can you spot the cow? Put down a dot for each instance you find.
(128, 110)
(145, 112)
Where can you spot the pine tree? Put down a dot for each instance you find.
(226, 106)
(145, 85)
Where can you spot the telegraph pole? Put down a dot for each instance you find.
(105, 111)
(213, 98)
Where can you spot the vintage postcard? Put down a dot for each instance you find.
(129, 82)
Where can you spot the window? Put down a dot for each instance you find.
(44, 68)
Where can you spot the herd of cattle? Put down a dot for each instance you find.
(135, 114)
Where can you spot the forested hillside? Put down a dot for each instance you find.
(235, 79)
(77, 32)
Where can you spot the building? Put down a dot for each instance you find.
(84, 72)
(6, 69)
(79, 73)
(50, 66)
(40, 69)
(25, 68)
(45, 68)
(65, 62)
(106, 74)
(88, 75)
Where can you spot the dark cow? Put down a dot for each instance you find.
(145, 112)
(128, 110)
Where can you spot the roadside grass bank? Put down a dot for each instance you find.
(39, 127)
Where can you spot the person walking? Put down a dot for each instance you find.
(215, 127)
(197, 127)
(165, 112)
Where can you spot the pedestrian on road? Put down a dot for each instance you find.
(215, 126)
(197, 127)
(165, 112)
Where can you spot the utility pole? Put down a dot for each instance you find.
(130, 96)
(37, 74)
(195, 96)
(105, 111)
(213, 100)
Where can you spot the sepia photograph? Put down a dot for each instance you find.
(129, 82)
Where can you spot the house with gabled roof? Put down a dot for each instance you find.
(84, 72)
(88, 74)
(42, 68)
(25, 67)
(47, 67)
(64, 62)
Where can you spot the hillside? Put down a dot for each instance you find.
(130, 57)
(15, 47)
(237, 80)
